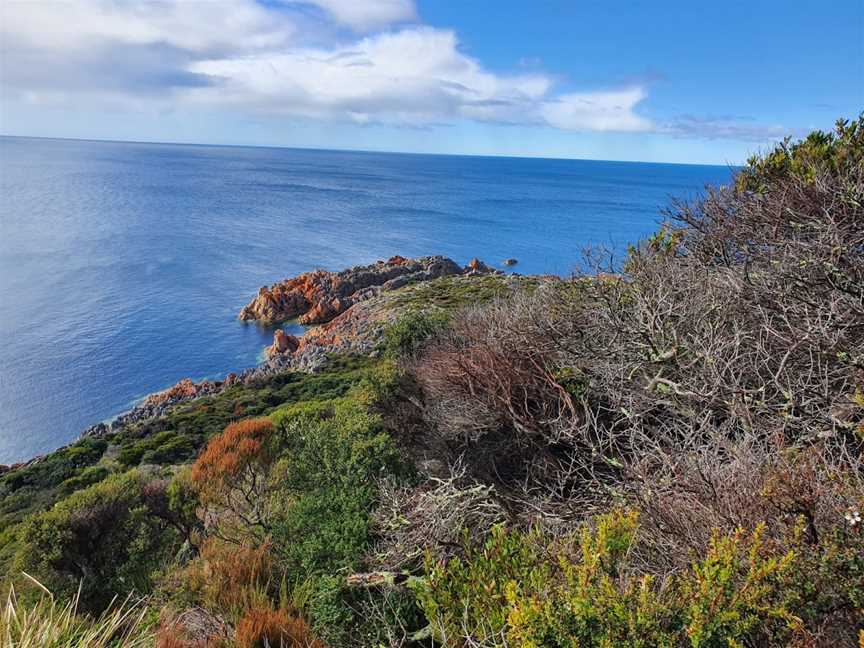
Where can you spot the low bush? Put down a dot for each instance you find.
(227, 578)
(232, 476)
(531, 591)
(817, 155)
(333, 455)
(166, 447)
(87, 477)
(37, 486)
(103, 539)
(467, 598)
(411, 331)
(266, 627)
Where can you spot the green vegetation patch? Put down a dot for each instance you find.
(451, 293)
(38, 485)
(179, 435)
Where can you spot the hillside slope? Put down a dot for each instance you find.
(667, 452)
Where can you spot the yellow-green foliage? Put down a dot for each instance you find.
(450, 293)
(516, 592)
(470, 596)
(735, 592)
(592, 603)
(818, 153)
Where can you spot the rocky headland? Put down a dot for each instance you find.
(346, 311)
(317, 297)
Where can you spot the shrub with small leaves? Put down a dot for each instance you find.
(405, 337)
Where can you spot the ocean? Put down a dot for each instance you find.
(123, 266)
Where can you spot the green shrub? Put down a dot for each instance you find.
(469, 597)
(198, 420)
(103, 537)
(734, 593)
(407, 335)
(37, 486)
(87, 477)
(824, 585)
(520, 589)
(333, 454)
(166, 447)
(54, 468)
(593, 605)
(819, 153)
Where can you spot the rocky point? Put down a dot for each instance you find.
(319, 296)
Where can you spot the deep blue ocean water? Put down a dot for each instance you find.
(123, 266)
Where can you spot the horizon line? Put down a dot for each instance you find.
(727, 165)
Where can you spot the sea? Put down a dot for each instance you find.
(123, 265)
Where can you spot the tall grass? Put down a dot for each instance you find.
(50, 624)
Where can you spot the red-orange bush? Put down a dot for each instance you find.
(226, 577)
(232, 475)
(264, 627)
(241, 447)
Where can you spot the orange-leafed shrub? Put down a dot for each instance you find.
(265, 627)
(227, 577)
(232, 478)
(241, 448)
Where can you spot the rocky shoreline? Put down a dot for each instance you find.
(341, 303)
(319, 296)
(345, 308)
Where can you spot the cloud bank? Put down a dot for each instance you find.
(360, 61)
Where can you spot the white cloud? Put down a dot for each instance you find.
(415, 75)
(363, 16)
(280, 59)
(192, 26)
(597, 111)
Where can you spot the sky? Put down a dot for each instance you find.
(663, 80)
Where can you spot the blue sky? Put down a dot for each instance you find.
(656, 81)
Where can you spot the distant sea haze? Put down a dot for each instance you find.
(123, 266)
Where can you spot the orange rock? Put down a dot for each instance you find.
(283, 343)
(319, 296)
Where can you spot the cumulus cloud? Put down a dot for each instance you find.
(415, 75)
(195, 27)
(348, 60)
(597, 111)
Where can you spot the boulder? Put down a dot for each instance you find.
(283, 343)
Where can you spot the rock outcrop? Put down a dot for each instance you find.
(317, 297)
(283, 343)
(352, 307)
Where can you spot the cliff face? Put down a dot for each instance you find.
(319, 296)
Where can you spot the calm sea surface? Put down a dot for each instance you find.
(123, 266)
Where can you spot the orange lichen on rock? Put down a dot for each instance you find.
(319, 296)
